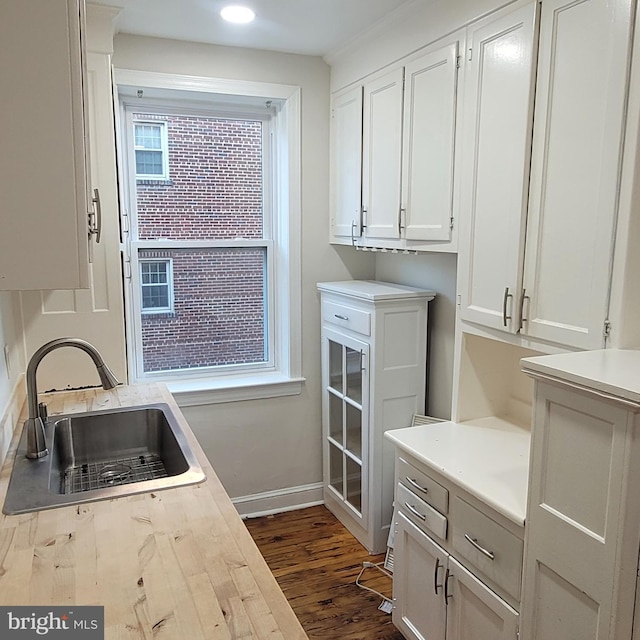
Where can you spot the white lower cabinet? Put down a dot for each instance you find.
(453, 570)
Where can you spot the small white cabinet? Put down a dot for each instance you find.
(552, 286)
(583, 517)
(45, 191)
(457, 563)
(374, 346)
(403, 139)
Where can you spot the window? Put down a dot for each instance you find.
(227, 226)
(156, 281)
(150, 142)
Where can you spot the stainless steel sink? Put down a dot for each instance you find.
(100, 455)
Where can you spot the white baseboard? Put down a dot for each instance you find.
(10, 415)
(279, 501)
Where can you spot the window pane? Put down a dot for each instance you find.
(154, 272)
(149, 163)
(216, 188)
(219, 311)
(354, 484)
(155, 296)
(148, 136)
(335, 417)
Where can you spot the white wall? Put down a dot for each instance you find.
(436, 272)
(265, 445)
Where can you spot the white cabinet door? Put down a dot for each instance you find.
(43, 190)
(579, 458)
(474, 612)
(428, 145)
(346, 163)
(345, 408)
(498, 97)
(579, 120)
(418, 582)
(382, 152)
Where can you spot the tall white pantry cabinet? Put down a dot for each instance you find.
(374, 365)
(583, 515)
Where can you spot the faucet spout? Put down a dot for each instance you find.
(36, 443)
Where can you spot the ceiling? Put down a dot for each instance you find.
(310, 27)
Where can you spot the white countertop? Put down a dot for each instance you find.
(488, 458)
(614, 372)
(372, 290)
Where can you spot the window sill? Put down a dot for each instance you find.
(190, 393)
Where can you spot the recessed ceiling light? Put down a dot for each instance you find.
(237, 14)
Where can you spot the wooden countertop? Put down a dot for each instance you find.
(174, 564)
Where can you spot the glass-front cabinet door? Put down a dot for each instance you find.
(345, 417)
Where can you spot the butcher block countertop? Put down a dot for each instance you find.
(174, 564)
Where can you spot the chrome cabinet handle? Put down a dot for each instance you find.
(523, 297)
(505, 299)
(340, 317)
(413, 483)
(474, 542)
(437, 586)
(416, 512)
(447, 595)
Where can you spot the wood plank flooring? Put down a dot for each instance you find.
(316, 561)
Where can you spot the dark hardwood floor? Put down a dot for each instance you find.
(316, 561)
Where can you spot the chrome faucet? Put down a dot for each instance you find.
(34, 424)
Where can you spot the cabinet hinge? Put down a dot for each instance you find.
(606, 332)
(451, 223)
(518, 632)
(458, 61)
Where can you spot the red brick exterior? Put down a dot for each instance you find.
(214, 191)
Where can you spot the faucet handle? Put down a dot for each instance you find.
(43, 411)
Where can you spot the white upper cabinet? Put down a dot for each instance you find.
(381, 157)
(393, 155)
(552, 286)
(346, 163)
(426, 211)
(579, 126)
(498, 102)
(44, 191)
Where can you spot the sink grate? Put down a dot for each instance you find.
(111, 473)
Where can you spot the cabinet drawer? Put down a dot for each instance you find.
(347, 317)
(423, 486)
(487, 546)
(422, 514)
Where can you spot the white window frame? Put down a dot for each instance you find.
(164, 150)
(282, 374)
(148, 311)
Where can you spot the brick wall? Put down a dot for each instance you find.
(214, 191)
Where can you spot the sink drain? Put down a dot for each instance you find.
(109, 473)
(114, 473)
